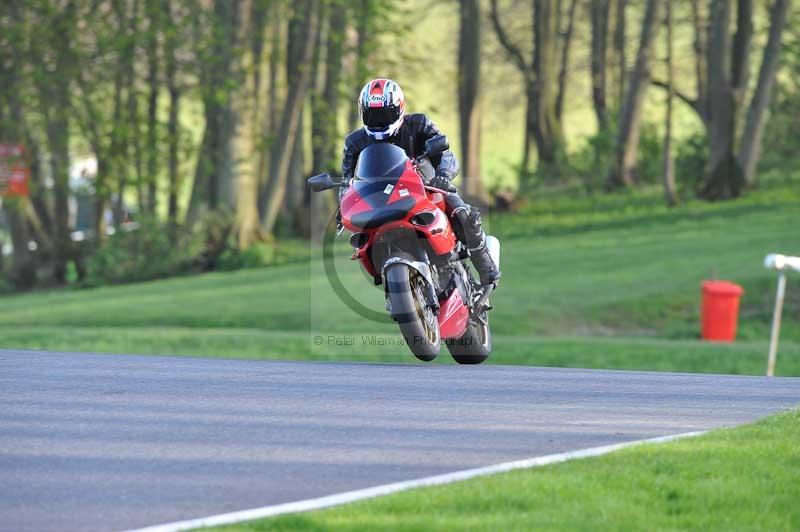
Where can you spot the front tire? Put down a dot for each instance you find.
(474, 346)
(417, 321)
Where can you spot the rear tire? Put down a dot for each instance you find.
(417, 322)
(474, 346)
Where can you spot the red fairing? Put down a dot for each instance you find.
(453, 316)
(440, 234)
(352, 204)
(408, 181)
(408, 185)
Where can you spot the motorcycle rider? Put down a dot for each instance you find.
(382, 108)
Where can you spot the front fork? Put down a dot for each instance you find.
(422, 267)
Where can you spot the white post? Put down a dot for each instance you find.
(776, 323)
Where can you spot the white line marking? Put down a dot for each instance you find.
(386, 489)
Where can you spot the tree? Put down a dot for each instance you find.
(599, 14)
(750, 144)
(722, 73)
(127, 146)
(622, 169)
(469, 98)
(364, 14)
(153, 9)
(54, 83)
(171, 36)
(269, 121)
(668, 168)
(619, 48)
(565, 40)
(219, 76)
(273, 195)
(540, 77)
(295, 185)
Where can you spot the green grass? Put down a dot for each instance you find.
(594, 281)
(735, 479)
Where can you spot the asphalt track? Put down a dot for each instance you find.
(112, 442)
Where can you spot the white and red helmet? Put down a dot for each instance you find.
(382, 105)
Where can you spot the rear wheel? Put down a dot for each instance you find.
(416, 319)
(474, 346)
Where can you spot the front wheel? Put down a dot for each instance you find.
(474, 346)
(417, 321)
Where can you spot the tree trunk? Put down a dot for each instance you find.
(58, 140)
(469, 99)
(133, 108)
(668, 170)
(173, 133)
(294, 62)
(114, 154)
(269, 120)
(619, 48)
(742, 40)
(322, 203)
(363, 15)
(566, 47)
(270, 203)
(725, 177)
(311, 208)
(518, 60)
(545, 125)
(236, 157)
(213, 186)
(624, 166)
(151, 142)
(128, 135)
(750, 145)
(331, 155)
(527, 140)
(245, 105)
(599, 17)
(700, 53)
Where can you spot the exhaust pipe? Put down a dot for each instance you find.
(493, 247)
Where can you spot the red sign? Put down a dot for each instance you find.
(14, 171)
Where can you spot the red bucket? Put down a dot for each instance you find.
(720, 310)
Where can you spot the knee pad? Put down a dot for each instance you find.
(460, 220)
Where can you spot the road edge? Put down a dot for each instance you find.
(338, 499)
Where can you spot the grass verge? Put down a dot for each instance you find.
(608, 281)
(736, 479)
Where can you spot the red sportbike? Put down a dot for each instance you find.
(403, 239)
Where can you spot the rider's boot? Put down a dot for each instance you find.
(468, 228)
(487, 269)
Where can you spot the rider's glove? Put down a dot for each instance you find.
(441, 182)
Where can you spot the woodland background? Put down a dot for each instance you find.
(170, 137)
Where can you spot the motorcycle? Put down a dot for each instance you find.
(403, 239)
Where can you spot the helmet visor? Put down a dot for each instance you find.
(380, 117)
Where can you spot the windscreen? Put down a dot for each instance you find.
(380, 161)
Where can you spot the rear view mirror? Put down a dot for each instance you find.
(436, 145)
(321, 182)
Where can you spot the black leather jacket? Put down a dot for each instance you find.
(411, 136)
